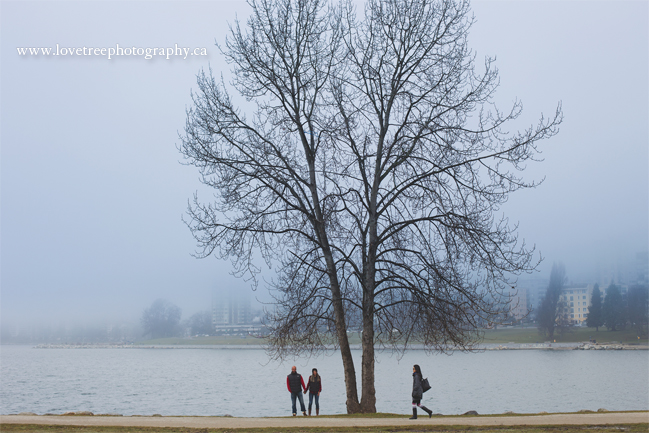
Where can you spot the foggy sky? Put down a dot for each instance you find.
(93, 192)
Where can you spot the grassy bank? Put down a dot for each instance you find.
(629, 428)
(492, 336)
(228, 340)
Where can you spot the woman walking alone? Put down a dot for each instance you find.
(314, 386)
(418, 392)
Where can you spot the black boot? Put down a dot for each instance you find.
(428, 411)
(414, 413)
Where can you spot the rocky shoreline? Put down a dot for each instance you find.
(568, 346)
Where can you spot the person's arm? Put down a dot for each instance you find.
(320, 383)
(308, 384)
(288, 384)
(302, 380)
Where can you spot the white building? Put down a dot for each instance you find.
(519, 305)
(230, 309)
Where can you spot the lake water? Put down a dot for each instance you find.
(242, 382)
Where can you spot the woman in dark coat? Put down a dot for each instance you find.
(314, 386)
(418, 392)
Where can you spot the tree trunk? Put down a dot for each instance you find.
(341, 330)
(348, 362)
(351, 390)
(368, 396)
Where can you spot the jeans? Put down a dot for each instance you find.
(295, 395)
(317, 401)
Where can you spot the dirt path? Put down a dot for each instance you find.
(230, 422)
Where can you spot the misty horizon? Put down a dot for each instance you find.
(93, 192)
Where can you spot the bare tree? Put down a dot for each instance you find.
(369, 176)
(161, 319)
(201, 323)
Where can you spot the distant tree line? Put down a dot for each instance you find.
(162, 320)
(70, 332)
(618, 310)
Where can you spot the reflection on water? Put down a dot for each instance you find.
(243, 382)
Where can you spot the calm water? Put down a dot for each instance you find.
(241, 382)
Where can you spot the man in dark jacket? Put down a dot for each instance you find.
(295, 385)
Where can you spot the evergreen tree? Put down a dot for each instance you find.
(552, 312)
(595, 318)
(638, 302)
(613, 309)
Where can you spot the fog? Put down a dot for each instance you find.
(93, 192)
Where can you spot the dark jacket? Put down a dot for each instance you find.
(295, 383)
(314, 387)
(417, 390)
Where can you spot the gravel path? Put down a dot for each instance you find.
(230, 422)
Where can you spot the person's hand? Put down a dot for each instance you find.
(318, 394)
(305, 391)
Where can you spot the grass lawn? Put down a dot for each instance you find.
(629, 428)
(233, 340)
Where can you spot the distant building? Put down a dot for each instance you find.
(624, 272)
(535, 288)
(641, 269)
(519, 306)
(230, 310)
(220, 311)
(576, 299)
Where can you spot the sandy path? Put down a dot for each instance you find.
(228, 422)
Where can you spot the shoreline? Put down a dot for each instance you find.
(257, 346)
